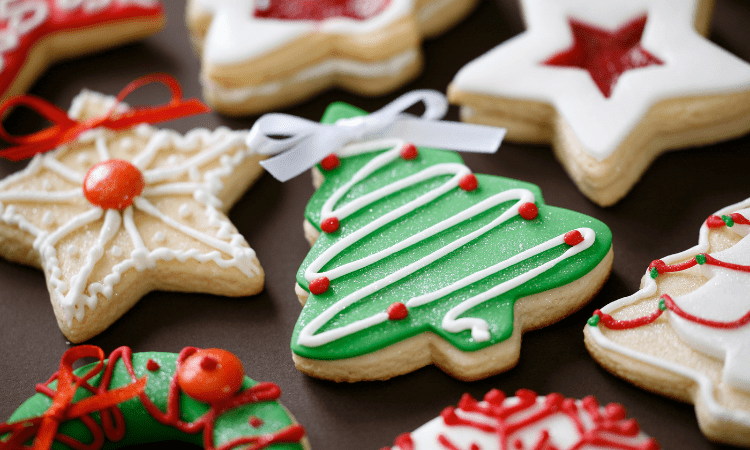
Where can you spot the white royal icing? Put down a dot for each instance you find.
(451, 322)
(704, 339)
(73, 291)
(692, 66)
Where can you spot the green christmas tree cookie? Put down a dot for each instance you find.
(419, 261)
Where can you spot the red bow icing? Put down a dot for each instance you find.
(65, 129)
(63, 408)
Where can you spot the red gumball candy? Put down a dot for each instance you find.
(330, 162)
(211, 375)
(528, 211)
(409, 151)
(113, 184)
(468, 182)
(319, 285)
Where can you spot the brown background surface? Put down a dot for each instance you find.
(659, 217)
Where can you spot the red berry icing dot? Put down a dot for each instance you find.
(152, 366)
(573, 238)
(715, 222)
(319, 285)
(397, 311)
(330, 162)
(468, 182)
(113, 184)
(528, 211)
(409, 151)
(330, 225)
(255, 422)
(211, 375)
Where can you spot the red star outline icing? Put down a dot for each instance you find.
(236, 36)
(26, 26)
(514, 70)
(92, 255)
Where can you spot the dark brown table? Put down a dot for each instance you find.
(659, 217)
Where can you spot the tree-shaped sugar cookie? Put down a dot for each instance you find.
(699, 350)
(420, 261)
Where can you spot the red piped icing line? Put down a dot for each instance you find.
(666, 302)
(112, 420)
(599, 428)
(65, 129)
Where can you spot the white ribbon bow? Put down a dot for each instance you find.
(309, 142)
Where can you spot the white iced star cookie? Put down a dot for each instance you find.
(686, 333)
(611, 85)
(259, 55)
(113, 215)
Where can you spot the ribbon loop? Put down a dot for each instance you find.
(308, 142)
(64, 129)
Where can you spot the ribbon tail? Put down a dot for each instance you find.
(158, 114)
(107, 399)
(441, 134)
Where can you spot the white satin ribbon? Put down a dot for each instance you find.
(309, 142)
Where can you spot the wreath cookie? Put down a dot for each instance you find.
(198, 396)
(685, 334)
(420, 261)
(37, 33)
(611, 85)
(260, 55)
(111, 215)
(528, 421)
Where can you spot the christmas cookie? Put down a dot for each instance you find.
(528, 421)
(611, 85)
(198, 396)
(111, 214)
(37, 33)
(685, 334)
(420, 261)
(259, 55)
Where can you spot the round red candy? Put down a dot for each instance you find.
(409, 151)
(330, 162)
(113, 184)
(211, 375)
(468, 182)
(528, 211)
(319, 285)
(330, 225)
(397, 311)
(573, 238)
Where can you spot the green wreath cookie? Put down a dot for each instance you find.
(418, 260)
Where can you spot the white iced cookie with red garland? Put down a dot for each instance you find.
(528, 421)
(686, 333)
(114, 214)
(259, 55)
(611, 85)
(37, 33)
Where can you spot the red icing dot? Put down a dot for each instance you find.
(528, 211)
(468, 182)
(319, 285)
(255, 422)
(397, 311)
(152, 366)
(211, 375)
(605, 54)
(615, 411)
(409, 151)
(319, 9)
(113, 184)
(330, 225)
(573, 238)
(330, 162)
(715, 222)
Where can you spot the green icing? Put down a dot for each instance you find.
(493, 247)
(141, 427)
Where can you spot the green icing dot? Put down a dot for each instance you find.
(700, 258)
(728, 220)
(662, 305)
(593, 320)
(654, 272)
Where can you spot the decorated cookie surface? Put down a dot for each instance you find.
(131, 399)
(112, 215)
(36, 33)
(416, 251)
(610, 85)
(690, 323)
(258, 55)
(528, 421)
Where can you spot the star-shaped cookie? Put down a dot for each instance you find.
(36, 33)
(611, 85)
(259, 55)
(113, 215)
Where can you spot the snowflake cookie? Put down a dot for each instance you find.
(528, 421)
(259, 55)
(686, 333)
(417, 261)
(611, 85)
(113, 215)
(37, 33)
